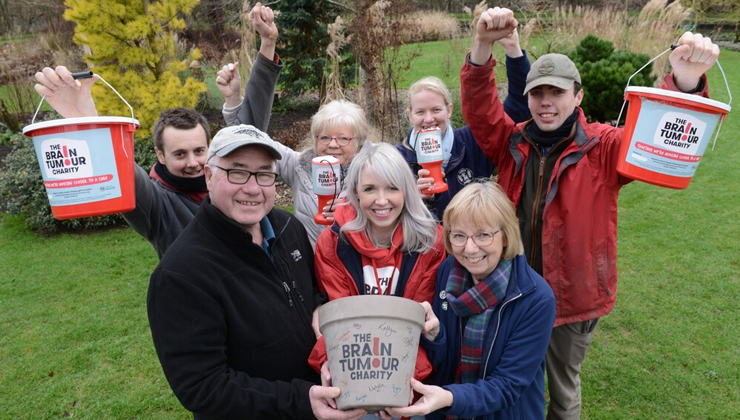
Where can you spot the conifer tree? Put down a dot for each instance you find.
(131, 44)
(304, 39)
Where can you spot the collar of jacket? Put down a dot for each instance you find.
(582, 143)
(305, 158)
(231, 233)
(520, 282)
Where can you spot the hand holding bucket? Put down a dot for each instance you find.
(87, 163)
(428, 147)
(667, 132)
(326, 176)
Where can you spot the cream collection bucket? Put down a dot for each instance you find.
(371, 345)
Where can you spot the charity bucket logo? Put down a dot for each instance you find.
(369, 357)
(326, 178)
(430, 144)
(326, 175)
(66, 159)
(680, 132)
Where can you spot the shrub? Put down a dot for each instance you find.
(604, 73)
(22, 188)
(132, 47)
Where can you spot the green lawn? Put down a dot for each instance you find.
(670, 348)
(444, 59)
(76, 342)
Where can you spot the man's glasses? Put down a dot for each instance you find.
(480, 239)
(342, 141)
(241, 176)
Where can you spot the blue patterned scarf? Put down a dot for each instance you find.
(476, 302)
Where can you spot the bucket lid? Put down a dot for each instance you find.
(679, 95)
(364, 306)
(325, 160)
(79, 120)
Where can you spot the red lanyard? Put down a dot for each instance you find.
(390, 281)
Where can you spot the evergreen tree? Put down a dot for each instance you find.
(604, 73)
(132, 46)
(303, 40)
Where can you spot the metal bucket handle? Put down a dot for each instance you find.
(86, 75)
(673, 47)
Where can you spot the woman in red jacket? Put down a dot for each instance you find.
(384, 240)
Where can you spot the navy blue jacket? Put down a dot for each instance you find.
(467, 161)
(512, 381)
(515, 105)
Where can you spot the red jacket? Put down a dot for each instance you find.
(339, 273)
(579, 230)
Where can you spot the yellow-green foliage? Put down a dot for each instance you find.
(131, 44)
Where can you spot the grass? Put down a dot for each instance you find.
(444, 59)
(670, 349)
(15, 39)
(76, 341)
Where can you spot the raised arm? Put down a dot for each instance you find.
(517, 67)
(493, 25)
(254, 108)
(480, 104)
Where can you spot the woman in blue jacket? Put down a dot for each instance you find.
(487, 331)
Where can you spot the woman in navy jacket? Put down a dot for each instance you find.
(487, 332)
(430, 105)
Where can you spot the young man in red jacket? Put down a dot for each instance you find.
(560, 173)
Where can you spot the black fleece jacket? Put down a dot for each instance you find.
(232, 328)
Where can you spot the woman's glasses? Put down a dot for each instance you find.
(480, 238)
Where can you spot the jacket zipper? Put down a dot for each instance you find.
(287, 293)
(278, 268)
(288, 275)
(535, 210)
(495, 335)
(295, 286)
(287, 288)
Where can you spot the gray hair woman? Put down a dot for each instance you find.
(384, 241)
(385, 166)
(338, 129)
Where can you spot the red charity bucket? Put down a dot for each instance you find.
(666, 134)
(87, 164)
